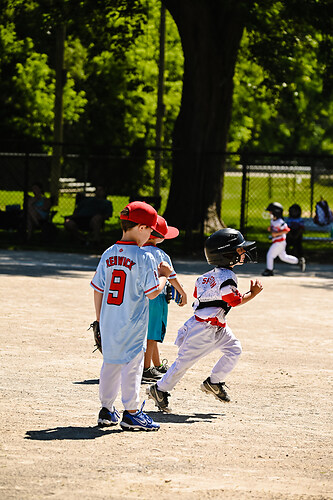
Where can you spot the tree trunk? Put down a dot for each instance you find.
(210, 32)
(58, 115)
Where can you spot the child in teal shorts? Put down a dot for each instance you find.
(158, 307)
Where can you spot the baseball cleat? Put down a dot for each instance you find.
(160, 398)
(217, 390)
(164, 367)
(106, 418)
(302, 264)
(151, 375)
(138, 421)
(267, 272)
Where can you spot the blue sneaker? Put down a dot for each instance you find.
(107, 417)
(138, 421)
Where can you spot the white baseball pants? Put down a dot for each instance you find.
(196, 340)
(278, 249)
(128, 376)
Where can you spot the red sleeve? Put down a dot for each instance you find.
(195, 293)
(233, 298)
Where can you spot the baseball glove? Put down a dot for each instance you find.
(172, 294)
(168, 292)
(175, 295)
(97, 335)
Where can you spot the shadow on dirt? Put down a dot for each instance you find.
(87, 382)
(69, 433)
(171, 418)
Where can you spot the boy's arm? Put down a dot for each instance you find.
(98, 297)
(164, 271)
(255, 288)
(175, 283)
(282, 231)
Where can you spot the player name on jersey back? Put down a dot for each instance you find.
(117, 260)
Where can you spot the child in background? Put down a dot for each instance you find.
(296, 226)
(158, 308)
(279, 229)
(126, 277)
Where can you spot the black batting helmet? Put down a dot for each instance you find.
(221, 248)
(275, 208)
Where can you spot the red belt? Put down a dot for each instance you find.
(213, 321)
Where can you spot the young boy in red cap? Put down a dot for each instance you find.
(126, 277)
(158, 308)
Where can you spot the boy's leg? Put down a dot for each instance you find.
(109, 384)
(149, 353)
(156, 355)
(150, 374)
(131, 375)
(272, 253)
(289, 259)
(232, 349)
(133, 418)
(199, 342)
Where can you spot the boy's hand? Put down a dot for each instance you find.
(183, 300)
(164, 269)
(256, 287)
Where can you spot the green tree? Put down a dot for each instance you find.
(287, 42)
(27, 77)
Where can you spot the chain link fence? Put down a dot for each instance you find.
(251, 182)
(126, 174)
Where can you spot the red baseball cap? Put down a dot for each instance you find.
(162, 230)
(141, 213)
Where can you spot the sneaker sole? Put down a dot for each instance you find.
(128, 427)
(106, 423)
(207, 391)
(150, 396)
(151, 379)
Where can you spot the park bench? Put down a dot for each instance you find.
(69, 185)
(311, 227)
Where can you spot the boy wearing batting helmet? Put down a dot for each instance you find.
(207, 330)
(279, 229)
(126, 277)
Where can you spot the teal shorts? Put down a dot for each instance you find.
(158, 314)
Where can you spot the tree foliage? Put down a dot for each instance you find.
(286, 58)
(281, 95)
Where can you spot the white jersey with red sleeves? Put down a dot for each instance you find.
(277, 226)
(160, 256)
(125, 275)
(215, 293)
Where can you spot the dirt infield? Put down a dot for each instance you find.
(273, 441)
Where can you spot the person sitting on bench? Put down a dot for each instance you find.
(38, 208)
(89, 215)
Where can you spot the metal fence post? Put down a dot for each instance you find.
(25, 195)
(243, 214)
(312, 179)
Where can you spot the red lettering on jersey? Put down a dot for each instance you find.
(130, 264)
(120, 261)
(209, 281)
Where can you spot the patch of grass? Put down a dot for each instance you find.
(262, 189)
